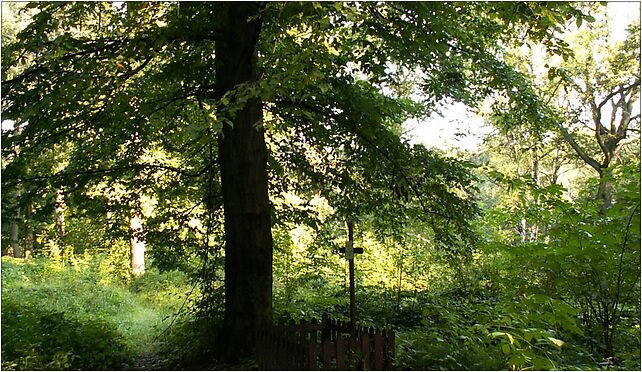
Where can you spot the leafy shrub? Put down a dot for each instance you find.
(422, 349)
(311, 298)
(35, 338)
(166, 289)
(449, 337)
(75, 315)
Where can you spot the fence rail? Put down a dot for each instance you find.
(325, 345)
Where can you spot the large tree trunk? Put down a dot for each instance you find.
(243, 162)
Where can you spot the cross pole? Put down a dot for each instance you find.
(350, 251)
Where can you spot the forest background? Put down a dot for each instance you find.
(177, 174)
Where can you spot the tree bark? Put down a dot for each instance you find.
(243, 162)
(137, 245)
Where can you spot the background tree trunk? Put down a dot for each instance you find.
(243, 162)
(28, 230)
(15, 229)
(605, 190)
(60, 214)
(15, 244)
(400, 277)
(137, 245)
(534, 233)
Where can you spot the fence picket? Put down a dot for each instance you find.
(378, 343)
(365, 349)
(314, 348)
(390, 349)
(340, 356)
(292, 341)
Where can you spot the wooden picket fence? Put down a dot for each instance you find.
(325, 345)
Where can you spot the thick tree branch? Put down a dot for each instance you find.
(137, 167)
(614, 107)
(30, 72)
(623, 88)
(598, 129)
(582, 154)
(627, 110)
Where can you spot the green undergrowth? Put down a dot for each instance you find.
(79, 316)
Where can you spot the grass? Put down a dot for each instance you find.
(52, 311)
